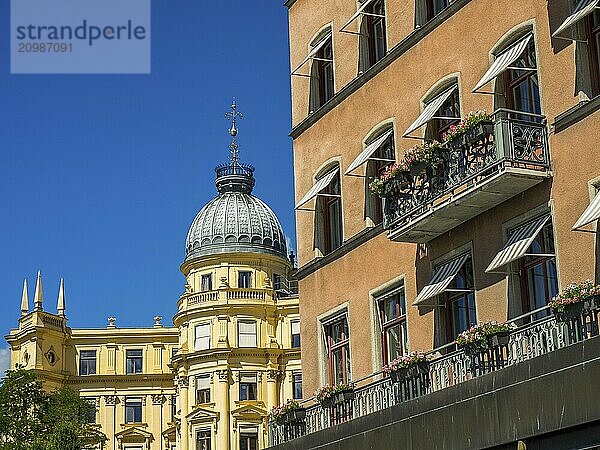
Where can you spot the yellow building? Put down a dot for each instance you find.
(233, 353)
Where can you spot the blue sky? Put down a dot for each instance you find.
(101, 175)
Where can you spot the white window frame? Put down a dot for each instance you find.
(242, 342)
(202, 341)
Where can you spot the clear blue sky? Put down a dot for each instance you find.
(101, 176)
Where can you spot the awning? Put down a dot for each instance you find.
(583, 8)
(368, 151)
(319, 185)
(318, 46)
(504, 60)
(441, 279)
(517, 244)
(591, 214)
(358, 12)
(431, 109)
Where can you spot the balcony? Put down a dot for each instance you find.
(458, 381)
(225, 295)
(504, 159)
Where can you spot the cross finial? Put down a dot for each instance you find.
(233, 116)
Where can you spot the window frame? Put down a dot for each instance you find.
(248, 389)
(373, 30)
(128, 406)
(198, 339)
(206, 282)
(400, 320)
(342, 345)
(245, 279)
(247, 435)
(297, 385)
(87, 360)
(592, 33)
(436, 128)
(293, 343)
(134, 358)
(202, 396)
(255, 335)
(201, 441)
(328, 209)
(322, 72)
(453, 295)
(509, 84)
(375, 167)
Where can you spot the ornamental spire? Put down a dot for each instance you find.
(233, 147)
(38, 298)
(60, 305)
(24, 299)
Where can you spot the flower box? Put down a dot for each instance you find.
(570, 312)
(343, 396)
(479, 131)
(399, 375)
(457, 142)
(574, 299)
(294, 416)
(498, 339)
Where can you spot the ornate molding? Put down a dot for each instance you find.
(111, 400)
(223, 374)
(274, 375)
(158, 399)
(183, 382)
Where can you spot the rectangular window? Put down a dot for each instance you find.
(203, 440)
(87, 362)
(206, 283)
(133, 410)
(460, 302)
(133, 361)
(244, 279)
(248, 441)
(202, 337)
(248, 387)
(392, 316)
(372, 35)
(203, 389)
(295, 324)
(173, 407)
(337, 339)
(297, 385)
(247, 333)
(277, 282)
(91, 418)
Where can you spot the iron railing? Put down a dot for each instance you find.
(512, 139)
(377, 392)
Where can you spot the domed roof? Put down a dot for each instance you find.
(235, 220)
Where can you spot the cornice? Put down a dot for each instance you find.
(576, 114)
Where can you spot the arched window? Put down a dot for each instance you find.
(321, 71)
(448, 113)
(379, 160)
(373, 45)
(328, 213)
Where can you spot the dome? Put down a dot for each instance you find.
(235, 220)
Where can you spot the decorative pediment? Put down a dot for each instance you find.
(253, 412)
(170, 434)
(134, 435)
(200, 414)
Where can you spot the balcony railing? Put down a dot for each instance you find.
(224, 295)
(493, 163)
(525, 342)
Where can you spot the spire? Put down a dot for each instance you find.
(60, 307)
(24, 299)
(233, 147)
(38, 298)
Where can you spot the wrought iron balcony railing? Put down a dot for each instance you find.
(376, 392)
(508, 154)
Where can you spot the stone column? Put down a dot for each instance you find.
(273, 377)
(157, 416)
(109, 420)
(223, 406)
(183, 406)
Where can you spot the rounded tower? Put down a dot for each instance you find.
(238, 318)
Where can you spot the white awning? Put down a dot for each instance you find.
(441, 279)
(504, 60)
(358, 12)
(368, 151)
(319, 185)
(313, 51)
(430, 110)
(583, 9)
(591, 214)
(518, 243)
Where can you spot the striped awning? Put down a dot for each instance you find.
(430, 110)
(591, 214)
(518, 243)
(319, 185)
(368, 151)
(441, 279)
(503, 61)
(313, 51)
(583, 9)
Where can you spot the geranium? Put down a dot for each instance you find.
(476, 336)
(326, 392)
(574, 293)
(467, 123)
(404, 362)
(421, 153)
(277, 412)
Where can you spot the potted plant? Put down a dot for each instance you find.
(418, 158)
(290, 412)
(405, 366)
(573, 299)
(395, 177)
(324, 395)
(477, 126)
(498, 334)
(482, 336)
(453, 138)
(343, 393)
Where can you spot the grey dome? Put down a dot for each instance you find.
(235, 220)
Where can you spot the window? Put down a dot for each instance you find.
(428, 9)
(321, 73)
(202, 337)
(372, 35)
(376, 165)
(329, 217)
(447, 115)
(247, 333)
(91, 417)
(206, 282)
(202, 389)
(392, 314)
(297, 385)
(87, 362)
(277, 282)
(460, 302)
(592, 27)
(337, 339)
(248, 386)
(133, 361)
(295, 325)
(244, 279)
(203, 440)
(133, 410)
(539, 281)
(521, 88)
(173, 407)
(248, 440)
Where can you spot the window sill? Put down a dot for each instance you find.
(576, 114)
